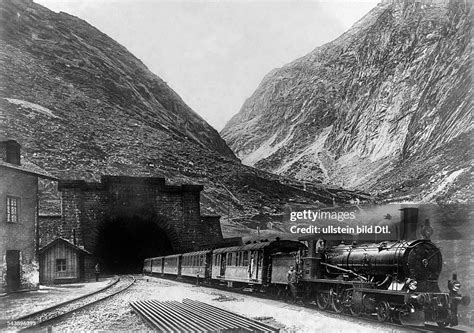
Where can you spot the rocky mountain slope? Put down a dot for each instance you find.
(82, 106)
(386, 107)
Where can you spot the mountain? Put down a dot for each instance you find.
(385, 108)
(82, 106)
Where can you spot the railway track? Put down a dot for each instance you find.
(45, 317)
(368, 318)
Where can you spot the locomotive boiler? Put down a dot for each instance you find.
(386, 263)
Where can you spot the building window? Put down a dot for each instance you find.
(60, 265)
(13, 209)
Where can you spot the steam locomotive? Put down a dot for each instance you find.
(396, 280)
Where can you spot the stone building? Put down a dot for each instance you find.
(18, 219)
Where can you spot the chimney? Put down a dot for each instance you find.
(10, 151)
(409, 223)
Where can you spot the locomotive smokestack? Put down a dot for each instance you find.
(409, 223)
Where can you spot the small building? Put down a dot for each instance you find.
(63, 262)
(18, 219)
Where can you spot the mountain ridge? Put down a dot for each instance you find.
(382, 97)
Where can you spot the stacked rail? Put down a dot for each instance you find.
(194, 316)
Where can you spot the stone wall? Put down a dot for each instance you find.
(212, 227)
(50, 227)
(175, 209)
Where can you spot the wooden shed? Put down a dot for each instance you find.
(63, 262)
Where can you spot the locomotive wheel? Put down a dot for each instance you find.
(337, 300)
(442, 323)
(383, 311)
(322, 300)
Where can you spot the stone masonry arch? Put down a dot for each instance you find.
(94, 213)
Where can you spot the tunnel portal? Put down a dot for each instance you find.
(123, 220)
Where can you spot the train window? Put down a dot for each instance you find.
(229, 259)
(246, 258)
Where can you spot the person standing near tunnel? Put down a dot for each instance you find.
(97, 271)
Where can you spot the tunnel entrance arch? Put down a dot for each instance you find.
(124, 242)
(123, 219)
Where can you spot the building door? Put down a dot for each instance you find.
(13, 270)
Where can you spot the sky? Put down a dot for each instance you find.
(214, 54)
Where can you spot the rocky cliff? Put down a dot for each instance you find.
(386, 107)
(82, 106)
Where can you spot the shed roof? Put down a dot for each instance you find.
(66, 242)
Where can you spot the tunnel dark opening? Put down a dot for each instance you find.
(124, 242)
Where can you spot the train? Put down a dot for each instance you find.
(395, 280)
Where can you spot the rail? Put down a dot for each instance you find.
(195, 316)
(41, 318)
